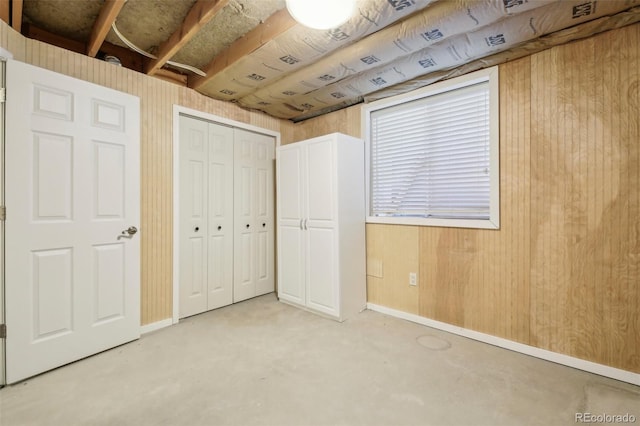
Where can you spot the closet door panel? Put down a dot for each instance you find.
(244, 258)
(193, 216)
(264, 214)
(220, 205)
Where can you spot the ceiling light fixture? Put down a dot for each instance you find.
(321, 14)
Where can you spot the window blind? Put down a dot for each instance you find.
(431, 157)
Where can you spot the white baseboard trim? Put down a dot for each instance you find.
(148, 328)
(591, 367)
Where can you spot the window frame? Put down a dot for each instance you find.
(489, 75)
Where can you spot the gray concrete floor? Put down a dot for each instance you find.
(261, 362)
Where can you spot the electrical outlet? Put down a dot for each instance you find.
(413, 278)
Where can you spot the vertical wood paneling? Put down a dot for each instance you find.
(157, 98)
(346, 121)
(392, 253)
(585, 253)
(195, 100)
(563, 272)
(633, 258)
(4, 10)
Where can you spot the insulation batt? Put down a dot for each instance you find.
(301, 46)
(584, 30)
(439, 21)
(497, 25)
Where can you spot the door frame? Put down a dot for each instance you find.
(179, 110)
(4, 56)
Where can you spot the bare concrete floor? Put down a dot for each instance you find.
(261, 362)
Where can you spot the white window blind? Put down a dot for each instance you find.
(430, 157)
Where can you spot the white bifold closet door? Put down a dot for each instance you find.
(206, 216)
(254, 221)
(226, 215)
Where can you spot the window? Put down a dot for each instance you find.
(432, 154)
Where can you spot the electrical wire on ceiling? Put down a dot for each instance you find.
(149, 55)
(239, 7)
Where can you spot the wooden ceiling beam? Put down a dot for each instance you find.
(33, 32)
(4, 11)
(128, 58)
(16, 15)
(108, 14)
(266, 31)
(201, 13)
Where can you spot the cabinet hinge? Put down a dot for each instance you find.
(3, 331)
(3, 213)
(3, 95)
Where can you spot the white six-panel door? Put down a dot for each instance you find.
(72, 188)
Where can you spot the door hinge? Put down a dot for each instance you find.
(3, 331)
(3, 95)
(3, 213)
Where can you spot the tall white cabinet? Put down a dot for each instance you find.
(321, 225)
(226, 215)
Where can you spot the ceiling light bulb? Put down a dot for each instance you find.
(321, 14)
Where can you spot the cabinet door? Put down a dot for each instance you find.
(291, 276)
(220, 216)
(193, 216)
(321, 227)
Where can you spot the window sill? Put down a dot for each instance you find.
(444, 223)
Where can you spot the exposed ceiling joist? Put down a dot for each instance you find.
(16, 15)
(4, 10)
(33, 32)
(128, 58)
(171, 76)
(201, 13)
(108, 14)
(266, 31)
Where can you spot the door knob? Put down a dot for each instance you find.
(130, 231)
(219, 227)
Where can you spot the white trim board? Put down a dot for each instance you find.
(177, 111)
(569, 361)
(148, 328)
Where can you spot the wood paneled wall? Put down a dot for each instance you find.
(157, 98)
(347, 121)
(563, 272)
